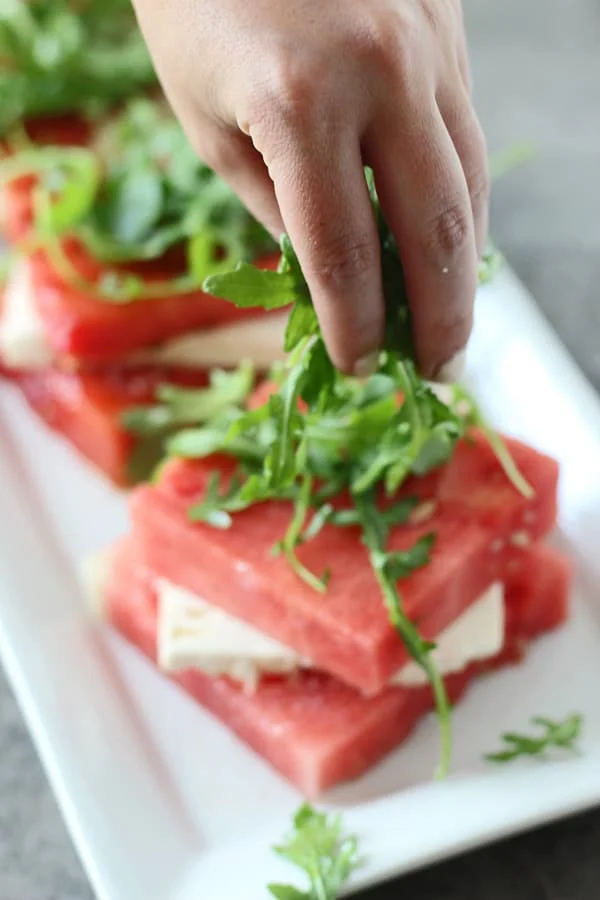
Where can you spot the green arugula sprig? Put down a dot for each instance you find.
(60, 57)
(318, 846)
(554, 735)
(138, 193)
(177, 407)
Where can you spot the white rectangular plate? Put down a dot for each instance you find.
(162, 802)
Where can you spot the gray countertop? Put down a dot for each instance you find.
(537, 76)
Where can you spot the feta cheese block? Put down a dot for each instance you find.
(23, 340)
(192, 633)
(260, 340)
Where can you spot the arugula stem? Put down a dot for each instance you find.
(411, 640)
(419, 430)
(501, 451)
(374, 537)
(143, 290)
(510, 158)
(505, 459)
(319, 881)
(294, 533)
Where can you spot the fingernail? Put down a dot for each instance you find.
(367, 365)
(452, 370)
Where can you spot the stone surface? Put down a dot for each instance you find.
(537, 77)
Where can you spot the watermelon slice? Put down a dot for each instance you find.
(347, 630)
(94, 331)
(312, 728)
(86, 408)
(68, 130)
(16, 210)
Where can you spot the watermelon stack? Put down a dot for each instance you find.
(337, 714)
(80, 359)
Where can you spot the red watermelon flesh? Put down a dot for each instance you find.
(94, 331)
(312, 728)
(16, 212)
(68, 129)
(16, 206)
(346, 630)
(553, 578)
(86, 408)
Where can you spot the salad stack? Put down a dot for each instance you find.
(321, 561)
(113, 223)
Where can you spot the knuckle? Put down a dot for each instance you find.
(342, 259)
(454, 324)
(386, 43)
(448, 234)
(286, 96)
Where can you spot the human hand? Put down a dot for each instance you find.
(288, 102)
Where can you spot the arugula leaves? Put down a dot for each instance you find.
(140, 193)
(179, 407)
(554, 735)
(56, 57)
(317, 846)
(186, 406)
(245, 283)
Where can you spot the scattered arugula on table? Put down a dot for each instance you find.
(553, 735)
(57, 57)
(319, 847)
(139, 193)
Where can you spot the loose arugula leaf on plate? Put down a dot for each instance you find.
(318, 846)
(552, 736)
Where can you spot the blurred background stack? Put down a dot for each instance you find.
(536, 66)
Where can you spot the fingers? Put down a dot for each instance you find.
(469, 142)
(327, 212)
(232, 155)
(425, 199)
